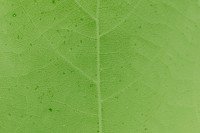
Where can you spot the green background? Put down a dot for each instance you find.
(99, 66)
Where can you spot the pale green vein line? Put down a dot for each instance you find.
(123, 20)
(75, 67)
(27, 73)
(71, 30)
(57, 53)
(75, 109)
(133, 82)
(195, 95)
(77, 3)
(75, 31)
(98, 70)
(196, 107)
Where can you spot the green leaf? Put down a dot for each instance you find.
(99, 66)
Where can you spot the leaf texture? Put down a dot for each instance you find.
(99, 66)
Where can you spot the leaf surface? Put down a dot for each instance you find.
(105, 66)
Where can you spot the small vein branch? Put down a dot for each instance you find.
(84, 9)
(98, 70)
(123, 20)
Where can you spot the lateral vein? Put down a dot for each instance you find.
(98, 70)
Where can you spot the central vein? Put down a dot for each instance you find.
(98, 70)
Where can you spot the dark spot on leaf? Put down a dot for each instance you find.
(31, 44)
(116, 97)
(145, 129)
(72, 71)
(18, 37)
(64, 73)
(81, 19)
(91, 85)
(14, 15)
(50, 109)
(53, 1)
(76, 25)
(81, 41)
(36, 87)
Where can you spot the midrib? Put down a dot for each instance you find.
(98, 70)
